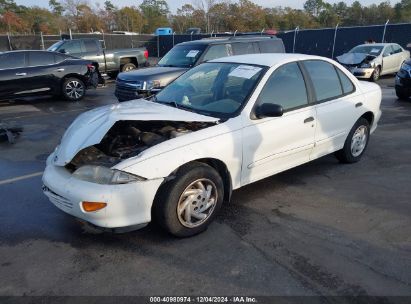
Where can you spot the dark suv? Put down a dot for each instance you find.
(141, 83)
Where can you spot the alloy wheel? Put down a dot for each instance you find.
(74, 89)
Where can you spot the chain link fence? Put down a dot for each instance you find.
(328, 42)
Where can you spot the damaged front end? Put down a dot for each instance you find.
(357, 60)
(127, 139)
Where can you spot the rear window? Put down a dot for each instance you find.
(12, 60)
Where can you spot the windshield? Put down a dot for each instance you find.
(368, 49)
(55, 46)
(184, 56)
(213, 89)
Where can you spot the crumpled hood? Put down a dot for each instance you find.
(353, 58)
(90, 127)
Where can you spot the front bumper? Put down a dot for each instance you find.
(127, 204)
(403, 80)
(362, 73)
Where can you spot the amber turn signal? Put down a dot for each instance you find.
(93, 206)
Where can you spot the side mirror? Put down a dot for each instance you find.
(155, 91)
(269, 110)
(63, 51)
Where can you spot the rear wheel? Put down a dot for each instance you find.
(356, 142)
(73, 89)
(128, 67)
(186, 205)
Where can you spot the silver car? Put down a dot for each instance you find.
(370, 61)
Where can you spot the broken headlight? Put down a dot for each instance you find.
(367, 65)
(105, 176)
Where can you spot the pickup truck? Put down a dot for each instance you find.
(109, 62)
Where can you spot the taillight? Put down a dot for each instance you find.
(146, 54)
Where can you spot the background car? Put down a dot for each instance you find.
(220, 126)
(27, 73)
(186, 55)
(370, 61)
(403, 81)
(110, 61)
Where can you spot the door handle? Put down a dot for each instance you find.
(60, 70)
(309, 119)
(21, 74)
(358, 105)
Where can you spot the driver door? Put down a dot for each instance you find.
(275, 144)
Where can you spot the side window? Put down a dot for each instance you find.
(388, 51)
(397, 49)
(285, 87)
(243, 48)
(91, 46)
(216, 51)
(325, 79)
(40, 58)
(271, 46)
(346, 83)
(72, 47)
(12, 60)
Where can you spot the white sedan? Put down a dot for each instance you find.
(221, 125)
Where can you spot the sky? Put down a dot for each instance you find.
(174, 4)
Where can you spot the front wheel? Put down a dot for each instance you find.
(401, 93)
(376, 74)
(186, 205)
(356, 142)
(73, 89)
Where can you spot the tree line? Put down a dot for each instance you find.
(209, 15)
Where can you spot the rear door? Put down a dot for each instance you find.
(12, 73)
(389, 61)
(336, 105)
(41, 71)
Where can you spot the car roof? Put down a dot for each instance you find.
(267, 59)
(219, 40)
(375, 44)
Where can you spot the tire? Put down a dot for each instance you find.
(376, 74)
(353, 151)
(401, 93)
(169, 211)
(128, 67)
(73, 89)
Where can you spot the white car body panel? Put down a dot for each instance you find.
(250, 149)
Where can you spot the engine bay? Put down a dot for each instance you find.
(127, 139)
